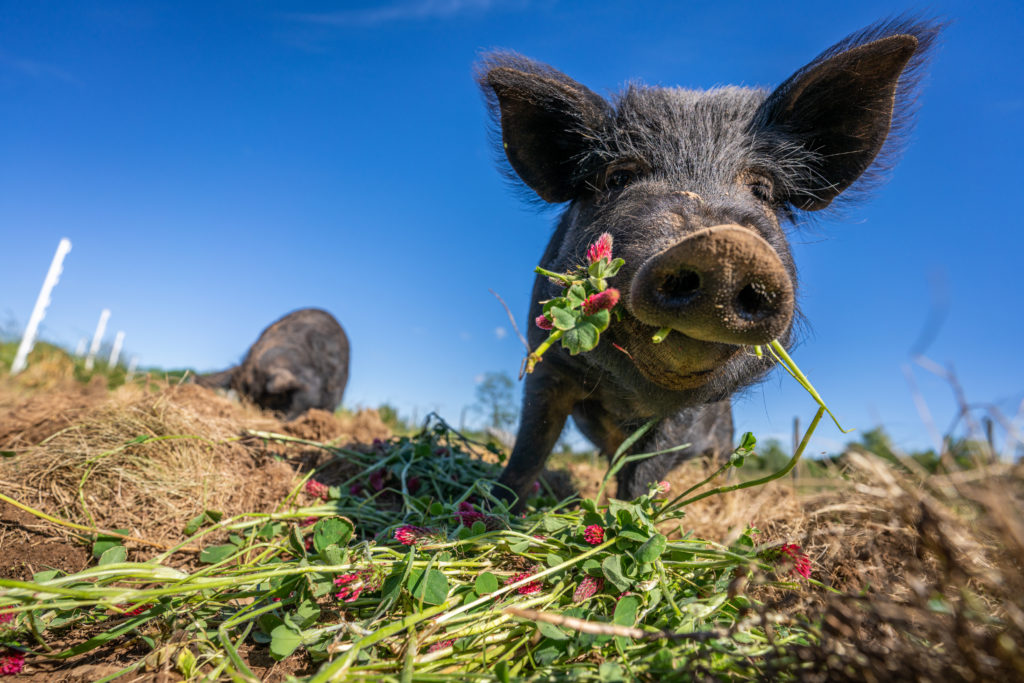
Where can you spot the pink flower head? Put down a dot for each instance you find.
(6, 617)
(594, 534)
(413, 484)
(535, 488)
(355, 489)
(467, 515)
(138, 610)
(351, 585)
(440, 645)
(526, 588)
(377, 480)
(411, 535)
(588, 586)
(663, 489)
(601, 249)
(316, 489)
(308, 521)
(801, 563)
(11, 663)
(543, 322)
(601, 301)
(354, 583)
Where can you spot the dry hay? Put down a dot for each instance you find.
(48, 368)
(149, 461)
(27, 416)
(933, 574)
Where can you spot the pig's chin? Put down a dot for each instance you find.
(679, 362)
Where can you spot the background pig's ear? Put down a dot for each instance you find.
(546, 120)
(840, 109)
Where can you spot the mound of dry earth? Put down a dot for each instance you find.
(147, 461)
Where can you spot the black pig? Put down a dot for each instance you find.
(694, 187)
(299, 362)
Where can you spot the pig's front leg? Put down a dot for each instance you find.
(707, 428)
(548, 400)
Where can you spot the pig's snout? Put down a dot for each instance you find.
(721, 284)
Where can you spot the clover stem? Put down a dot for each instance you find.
(551, 274)
(660, 335)
(534, 357)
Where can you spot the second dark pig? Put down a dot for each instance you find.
(299, 362)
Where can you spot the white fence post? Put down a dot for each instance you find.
(101, 327)
(132, 364)
(52, 276)
(116, 351)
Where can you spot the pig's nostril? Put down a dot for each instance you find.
(755, 302)
(680, 287)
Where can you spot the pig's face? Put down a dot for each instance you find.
(694, 186)
(697, 225)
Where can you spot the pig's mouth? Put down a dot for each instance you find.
(680, 362)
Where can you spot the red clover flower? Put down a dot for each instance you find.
(355, 583)
(602, 301)
(377, 480)
(526, 588)
(601, 249)
(467, 515)
(316, 489)
(594, 534)
(440, 645)
(12, 663)
(543, 322)
(411, 535)
(6, 617)
(801, 563)
(587, 588)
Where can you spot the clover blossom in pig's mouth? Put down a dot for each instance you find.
(585, 309)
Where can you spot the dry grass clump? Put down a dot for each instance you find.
(933, 572)
(147, 462)
(49, 367)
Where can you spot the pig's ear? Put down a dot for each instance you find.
(547, 122)
(839, 110)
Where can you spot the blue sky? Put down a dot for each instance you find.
(216, 165)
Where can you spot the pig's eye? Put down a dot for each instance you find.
(760, 186)
(619, 175)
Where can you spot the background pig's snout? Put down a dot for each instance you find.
(722, 284)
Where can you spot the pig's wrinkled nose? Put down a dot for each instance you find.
(720, 284)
